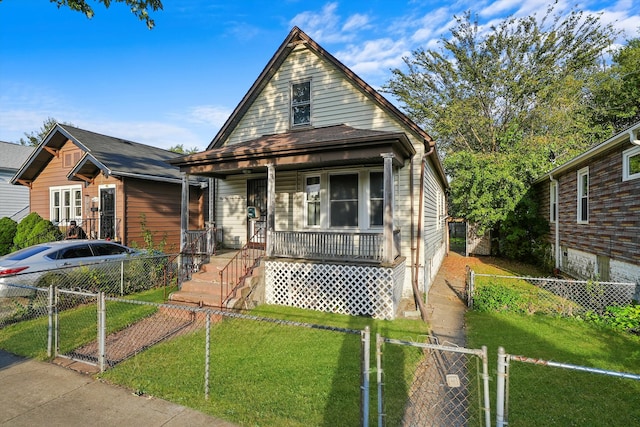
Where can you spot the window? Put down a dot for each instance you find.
(312, 193)
(65, 204)
(631, 164)
(300, 104)
(553, 201)
(583, 195)
(343, 200)
(376, 199)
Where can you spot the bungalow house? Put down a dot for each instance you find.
(14, 201)
(593, 206)
(109, 186)
(345, 193)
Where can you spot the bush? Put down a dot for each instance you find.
(33, 229)
(620, 318)
(495, 298)
(8, 228)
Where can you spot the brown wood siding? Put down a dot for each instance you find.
(613, 229)
(159, 202)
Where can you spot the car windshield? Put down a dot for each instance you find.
(25, 253)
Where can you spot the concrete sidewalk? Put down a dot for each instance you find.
(34, 393)
(445, 303)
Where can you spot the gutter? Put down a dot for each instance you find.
(557, 222)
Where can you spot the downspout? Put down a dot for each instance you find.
(416, 292)
(557, 222)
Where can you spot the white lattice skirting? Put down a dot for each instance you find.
(357, 290)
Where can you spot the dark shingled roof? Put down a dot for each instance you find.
(102, 153)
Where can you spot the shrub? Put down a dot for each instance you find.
(8, 228)
(33, 229)
(620, 318)
(493, 297)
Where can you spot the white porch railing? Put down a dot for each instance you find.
(319, 245)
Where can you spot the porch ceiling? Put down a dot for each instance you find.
(329, 146)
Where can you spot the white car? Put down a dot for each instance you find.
(29, 266)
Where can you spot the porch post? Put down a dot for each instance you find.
(388, 207)
(271, 206)
(184, 212)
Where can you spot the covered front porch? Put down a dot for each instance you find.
(327, 223)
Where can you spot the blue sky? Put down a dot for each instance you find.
(177, 83)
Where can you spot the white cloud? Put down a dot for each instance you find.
(209, 114)
(325, 26)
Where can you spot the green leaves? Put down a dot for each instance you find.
(140, 8)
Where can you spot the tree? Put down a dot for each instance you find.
(8, 228)
(504, 105)
(139, 8)
(615, 91)
(34, 139)
(179, 148)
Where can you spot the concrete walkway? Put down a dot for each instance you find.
(445, 302)
(34, 393)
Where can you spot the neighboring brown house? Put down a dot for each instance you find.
(109, 186)
(349, 193)
(593, 206)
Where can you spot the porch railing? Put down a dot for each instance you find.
(240, 266)
(356, 246)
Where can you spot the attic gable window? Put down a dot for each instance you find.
(301, 104)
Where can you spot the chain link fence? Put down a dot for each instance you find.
(553, 295)
(450, 386)
(590, 396)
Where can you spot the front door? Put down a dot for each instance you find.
(108, 213)
(257, 218)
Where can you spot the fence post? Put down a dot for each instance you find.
(364, 391)
(50, 327)
(207, 347)
(636, 295)
(485, 381)
(379, 378)
(102, 327)
(121, 277)
(500, 385)
(471, 287)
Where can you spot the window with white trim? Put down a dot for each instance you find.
(553, 201)
(301, 104)
(312, 201)
(65, 204)
(376, 199)
(631, 164)
(583, 195)
(343, 200)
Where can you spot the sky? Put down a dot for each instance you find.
(178, 83)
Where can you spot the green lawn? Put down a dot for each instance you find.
(274, 374)
(550, 396)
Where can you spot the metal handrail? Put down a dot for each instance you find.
(240, 266)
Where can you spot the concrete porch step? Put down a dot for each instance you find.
(196, 298)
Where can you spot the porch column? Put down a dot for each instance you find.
(271, 206)
(184, 212)
(388, 207)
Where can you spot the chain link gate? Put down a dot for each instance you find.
(450, 386)
(74, 325)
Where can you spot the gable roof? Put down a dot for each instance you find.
(13, 155)
(296, 37)
(102, 154)
(625, 137)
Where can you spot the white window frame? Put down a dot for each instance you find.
(364, 204)
(74, 206)
(369, 199)
(553, 201)
(307, 201)
(626, 163)
(296, 104)
(582, 194)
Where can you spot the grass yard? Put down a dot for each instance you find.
(275, 374)
(543, 395)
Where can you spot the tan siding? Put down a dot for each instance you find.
(334, 100)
